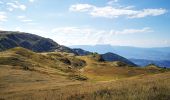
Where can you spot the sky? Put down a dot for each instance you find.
(139, 23)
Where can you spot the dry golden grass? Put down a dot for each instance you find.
(106, 71)
(50, 63)
(149, 87)
(26, 75)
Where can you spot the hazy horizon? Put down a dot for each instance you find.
(121, 46)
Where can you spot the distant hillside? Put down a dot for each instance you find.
(143, 62)
(160, 56)
(10, 39)
(114, 57)
(81, 52)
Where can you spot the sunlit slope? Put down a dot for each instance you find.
(63, 76)
(50, 63)
(91, 67)
(104, 71)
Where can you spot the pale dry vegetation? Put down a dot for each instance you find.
(150, 87)
(26, 75)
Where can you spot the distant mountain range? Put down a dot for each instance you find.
(159, 56)
(162, 53)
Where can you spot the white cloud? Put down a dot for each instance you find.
(31, 0)
(149, 12)
(1, 2)
(2, 28)
(3, 16)
(22, 7)
(77, 35)
(81, 7)
(74, 30)
(133, 31)
(110, 2)
(26, 20)
(15, 5)
(111, 12)
(18, 29)
(78, 30)
(21, 17)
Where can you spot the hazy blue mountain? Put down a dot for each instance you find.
(143, 62)
(162, 53)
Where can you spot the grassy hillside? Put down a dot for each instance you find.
(105, 71)
(50, 63)
(67, 64)
(26, 75)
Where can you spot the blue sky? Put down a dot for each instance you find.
(140, 23)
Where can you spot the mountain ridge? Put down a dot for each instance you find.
(11, 39)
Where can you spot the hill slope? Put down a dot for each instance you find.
(58, 75)
(98, 70)
(114, 57)
(10, 39)
(51, 63)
